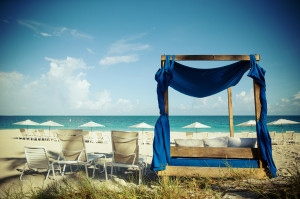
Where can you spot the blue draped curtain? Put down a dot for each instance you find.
(202, 83)
(263, 137)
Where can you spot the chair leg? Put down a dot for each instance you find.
(47, 174)
(105, 170)
(140, 175)
(95, 165)
(86, 170)
(111, 171)
(23, 171)
(63, 173)
(53, 170)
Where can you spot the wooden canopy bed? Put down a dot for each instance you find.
(220, 154)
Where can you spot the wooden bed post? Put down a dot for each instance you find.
(257, 112)
(166, 97)
(230, 112)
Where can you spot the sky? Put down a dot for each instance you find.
(100, 57)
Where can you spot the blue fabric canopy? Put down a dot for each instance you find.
(203, 83)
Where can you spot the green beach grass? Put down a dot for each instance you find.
(198, 187)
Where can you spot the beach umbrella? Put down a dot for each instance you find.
(91, 124)
(50, 123)
(282, 122)
(248, 123)
(142, 126)
(27, 123)
(196, 126)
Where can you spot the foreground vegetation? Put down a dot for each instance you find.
(198, 187)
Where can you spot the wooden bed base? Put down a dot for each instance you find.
(213, 172)
(214, 152)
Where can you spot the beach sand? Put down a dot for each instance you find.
(12, 157)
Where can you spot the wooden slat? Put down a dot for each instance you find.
(230, 112)
(211, 57)
(214, 152)
(217, 172)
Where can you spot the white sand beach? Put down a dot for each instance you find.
(12, 157)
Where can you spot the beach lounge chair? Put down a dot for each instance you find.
(73, 151)
(22, 134)
(36, 135)
(203, 135)
(297, 139)
(189, 135)
(97, 137)
(278, 139)
(148, 138)
(42, 134)
(37, 158)
(289, 136)
(272, 135)
(126, 152)
(243, 134)
(86, 135)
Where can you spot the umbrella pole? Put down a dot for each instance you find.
(282, 132)
(143, 135)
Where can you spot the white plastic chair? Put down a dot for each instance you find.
(148, 138)
(37, 158)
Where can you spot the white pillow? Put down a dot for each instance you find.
(242, 142)
(189, 142)
(216, 142)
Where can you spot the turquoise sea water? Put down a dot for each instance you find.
(217, 123)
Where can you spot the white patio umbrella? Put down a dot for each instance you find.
(282, 122)
(248, 123)
(50, 123)
(91, 124)
(196, 126)
(142, 126)
(27, 123)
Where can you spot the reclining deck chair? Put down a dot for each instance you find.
(73, 151)
(37, 158)
(126, 151)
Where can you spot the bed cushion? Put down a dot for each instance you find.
(189, 142)
(216, 142)
(242, 142)
(209, 162)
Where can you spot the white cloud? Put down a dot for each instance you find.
(64, 89)
(122, 46)
(118, 59)
(285, 100)
(244, 97)
(297, 96)
(47, 30)
(45, 34)
(124, 51)
(124, 105)
(90, 51)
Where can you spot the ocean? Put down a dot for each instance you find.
(217, 123)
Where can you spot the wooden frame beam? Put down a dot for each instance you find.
(214, 152)
(211, 57)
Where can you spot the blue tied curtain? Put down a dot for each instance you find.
(161, 143)
(263, 137)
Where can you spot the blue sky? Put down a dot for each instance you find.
(100, 57)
